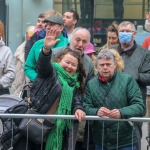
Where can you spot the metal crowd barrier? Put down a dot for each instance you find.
(89, 118)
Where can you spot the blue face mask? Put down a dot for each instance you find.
(125, 37)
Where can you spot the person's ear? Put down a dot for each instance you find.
(58, 60)
(61, 28)
(75, 21)
(134, 34)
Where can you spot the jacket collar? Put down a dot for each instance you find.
(128, 52)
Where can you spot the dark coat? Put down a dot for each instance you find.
(45, 91)
(137, 64)
(11, 126)
(35, 37)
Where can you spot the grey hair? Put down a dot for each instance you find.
(106, 54)
(125, 23)
(81, 29)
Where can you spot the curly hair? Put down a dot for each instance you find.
(80, 69)
(2, 33)
(118, 59)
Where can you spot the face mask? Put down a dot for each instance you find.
(125, 37)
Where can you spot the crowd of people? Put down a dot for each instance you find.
(113, 82)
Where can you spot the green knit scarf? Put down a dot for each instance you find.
(55, 138)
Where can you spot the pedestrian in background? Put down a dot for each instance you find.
(7, 68)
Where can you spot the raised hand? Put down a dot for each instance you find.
(50, 38)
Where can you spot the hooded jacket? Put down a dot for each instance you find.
(7, 69)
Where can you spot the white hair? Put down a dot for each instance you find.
(81, 29)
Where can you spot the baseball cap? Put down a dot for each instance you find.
(89, 49)
(55, 19)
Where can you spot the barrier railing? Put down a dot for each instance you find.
(89, 118)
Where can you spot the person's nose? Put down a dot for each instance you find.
(105, 66)
(69, 66)
(80, 43)
(40, 23)
(110, 41)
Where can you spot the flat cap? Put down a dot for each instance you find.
(55, 19)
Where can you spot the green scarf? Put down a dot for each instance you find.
(55, 138)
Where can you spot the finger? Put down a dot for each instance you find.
(79, 118)
(57, 40)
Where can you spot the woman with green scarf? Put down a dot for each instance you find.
(58, 89)
(69, 73)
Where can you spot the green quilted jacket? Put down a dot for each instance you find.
(121, 92)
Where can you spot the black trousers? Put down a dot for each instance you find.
(118, 9)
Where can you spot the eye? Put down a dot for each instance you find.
(78, 40)
(74, 65)
(101, 65)
(67, 62)
(84, 41)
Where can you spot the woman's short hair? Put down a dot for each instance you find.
(113, 55)
(106, 54)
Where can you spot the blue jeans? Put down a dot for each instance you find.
(99, 147)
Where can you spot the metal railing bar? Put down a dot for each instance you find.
(71, 117)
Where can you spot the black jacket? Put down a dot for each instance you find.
(11, 133)
(47, 89)
(35, 37)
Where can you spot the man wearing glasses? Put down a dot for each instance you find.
(137, 63)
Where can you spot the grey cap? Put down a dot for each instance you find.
(55, 19)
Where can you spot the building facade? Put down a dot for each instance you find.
(17, 15)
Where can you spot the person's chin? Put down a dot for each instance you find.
(126, 44)
(79, 51)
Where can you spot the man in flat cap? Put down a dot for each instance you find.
(54, 22)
